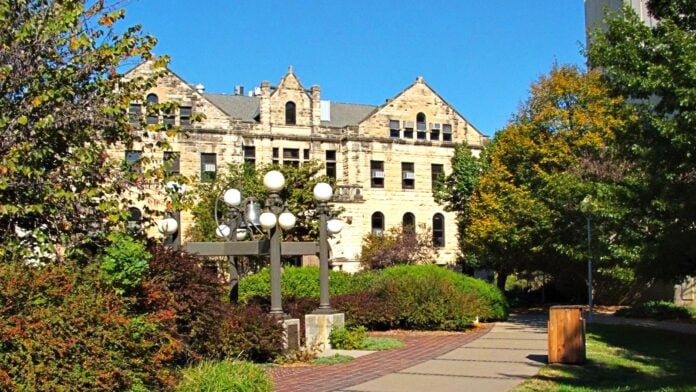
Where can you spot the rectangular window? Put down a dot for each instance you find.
(435, 131)
(134, 112)
(436, 171)
(208, 166)
(171, 163)
(446, 132)
(408, 175)
(331, 163)
(169, 119)
(250, 155)
(408, 129)
(305, 154)
(276, 155)
(377, 174)
(394, 130)
(291, 157)
(185, 115)
(152, 116)
(422, 135)
(133, 160)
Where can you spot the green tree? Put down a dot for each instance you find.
(524, 213)
(656, 68)
(63, 101)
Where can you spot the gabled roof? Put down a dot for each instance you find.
(347, 114)
(236, 106)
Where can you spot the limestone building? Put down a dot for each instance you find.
(384, 158)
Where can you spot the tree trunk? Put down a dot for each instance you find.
(502, 278)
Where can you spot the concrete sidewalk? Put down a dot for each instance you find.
(499, 360)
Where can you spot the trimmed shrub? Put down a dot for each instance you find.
(368, 308)
(237, 376)
(60, 330)
(249, 332)
(659, 310)
(347, 338)
(298, 282)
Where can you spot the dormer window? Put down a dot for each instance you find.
(290, 118)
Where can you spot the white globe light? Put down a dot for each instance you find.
(232, 197)
(334, 226)
(287, 220)
(274, 181)
(222, 231)
(167, 226)
(323, 191)
(268, 220)
(241, 234)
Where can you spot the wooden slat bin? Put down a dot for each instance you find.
(566, 331)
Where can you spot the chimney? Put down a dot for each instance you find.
(238, 90)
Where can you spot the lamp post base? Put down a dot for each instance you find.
(318, 328)
(325, 310)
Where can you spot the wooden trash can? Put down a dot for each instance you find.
(566, 332)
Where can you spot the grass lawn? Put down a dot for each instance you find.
(624, 358)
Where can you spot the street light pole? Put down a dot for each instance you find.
(323, 193)
(587, 208)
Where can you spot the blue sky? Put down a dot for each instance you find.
(480, 56)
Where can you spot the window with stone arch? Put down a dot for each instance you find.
(438, 230)
(420, 122)
(409, 223)
(377, 223)
(152, 116)
(290, 113)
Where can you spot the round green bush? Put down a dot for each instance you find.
(238, 376)
(297, 282)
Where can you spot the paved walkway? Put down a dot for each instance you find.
(493, 358)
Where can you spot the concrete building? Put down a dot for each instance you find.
(595, 10)
(384, 158)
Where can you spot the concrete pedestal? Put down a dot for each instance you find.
(291, 334)
(318, 327)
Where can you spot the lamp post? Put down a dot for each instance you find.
(242, 212)
(275, 220)
(587, 208)
(322, 194)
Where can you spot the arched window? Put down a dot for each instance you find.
(152, 116)
(438, 230)
(377, 223)
(409, 223)
(420, 122)
(135, 217)
(290, 118)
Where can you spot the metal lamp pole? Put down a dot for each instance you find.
(323, 193)
(273, 221)
(586, 208)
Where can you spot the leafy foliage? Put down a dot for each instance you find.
(656, 68)
(63, 101)
(397, 246)
(125, 262)
(298, 282)
(60, 330)
(238, 376)
(347, 338)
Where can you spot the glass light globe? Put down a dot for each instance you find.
(323, 191)
(268, 220)
(232, 197)
(167, 226)
(334, 226)
(287, 220)
(241, 234)
(274, 181)
(222, 231)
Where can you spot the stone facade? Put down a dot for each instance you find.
(384, 156)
